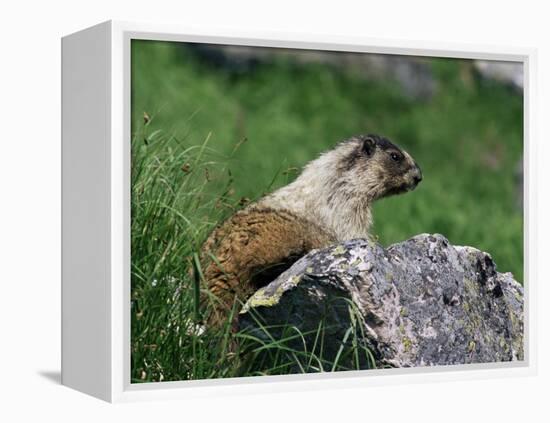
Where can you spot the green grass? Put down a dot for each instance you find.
(212, 140)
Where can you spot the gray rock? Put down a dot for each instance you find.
(421, 302)
(510, 73)
(413, 74)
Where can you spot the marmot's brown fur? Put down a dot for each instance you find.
(328, 203)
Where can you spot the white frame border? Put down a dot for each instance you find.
(119, 290)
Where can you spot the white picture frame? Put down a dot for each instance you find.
(96, 213)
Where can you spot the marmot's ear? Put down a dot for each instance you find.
(369, 145)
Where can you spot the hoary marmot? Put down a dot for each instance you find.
(329, 202)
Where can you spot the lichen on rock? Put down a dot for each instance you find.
(420, 302)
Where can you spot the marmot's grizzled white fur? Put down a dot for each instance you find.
(328, 203)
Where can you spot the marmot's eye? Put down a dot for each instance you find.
(395, 157)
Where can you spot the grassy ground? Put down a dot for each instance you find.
(205, 142)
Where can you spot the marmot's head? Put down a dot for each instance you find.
(374, 167)
(336, 190)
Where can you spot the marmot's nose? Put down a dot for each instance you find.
(417, 176)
